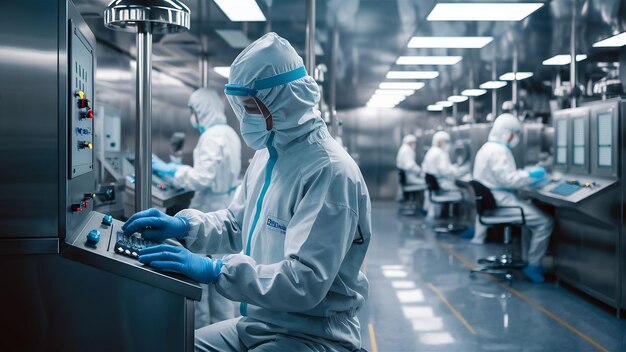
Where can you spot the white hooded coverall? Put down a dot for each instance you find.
(437, 163)
(405, 160)
(495, 168)
(302, 219)
(213, 177)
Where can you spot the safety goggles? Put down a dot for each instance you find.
(244, 100)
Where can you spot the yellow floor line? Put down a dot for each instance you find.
(555, 317)
(456, 312)
(532, 303)
(373, 344)
(459, 257)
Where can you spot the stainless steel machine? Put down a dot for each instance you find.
(528, 152)
(587, 193)
(70, 282)
(165, 196)
(466, 140)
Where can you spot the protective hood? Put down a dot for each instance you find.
(439, 137)
(409, 138)
(502, 128)
(209, 107)
(292, 105)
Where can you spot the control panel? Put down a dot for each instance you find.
(131, 245)
(81, 84)
(99, 241)
(567, 188)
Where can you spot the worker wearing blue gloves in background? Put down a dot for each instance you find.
(495, 168)
(213, 177)
(299, 224)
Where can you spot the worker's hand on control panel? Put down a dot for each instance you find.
(156, 226)
(537, 173)
(162, 168)
(181, 260)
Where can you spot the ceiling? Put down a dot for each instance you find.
(374, 33)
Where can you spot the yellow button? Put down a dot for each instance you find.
(80, 94)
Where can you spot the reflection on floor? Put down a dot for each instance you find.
(422, 299)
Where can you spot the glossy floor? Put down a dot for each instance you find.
(422, 299)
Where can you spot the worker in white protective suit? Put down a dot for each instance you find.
(213, 177)
(405, 161)
(495, 168)
(299, 224)
(437, 163)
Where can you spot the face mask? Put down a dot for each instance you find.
(446, 147)
(514, 142)
(196, 125)
(254, 131)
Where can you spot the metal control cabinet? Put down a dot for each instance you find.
(81, 85)
(60, 291)
(590, 251)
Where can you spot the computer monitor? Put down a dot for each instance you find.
(604, 120)
(579, 158)
(561, 150)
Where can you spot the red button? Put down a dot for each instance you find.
(90, 114)
(76, 208)
(85, 203)
(83, 103)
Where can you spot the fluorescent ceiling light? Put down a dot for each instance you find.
(449, 42)
(223, 71)
(236, 38)
(562, 60)
(434, 108)
(612, 42)
(428, 60)
(473, 92)
(380, 105)
(412, 74)
(482, 11)
(241, 10)
(445, 103)
(405, 92)
(402, 85)
(520, 76)
(493, 85)
(387, 98)
(457, 98)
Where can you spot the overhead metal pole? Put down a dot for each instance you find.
(332, 89)
(572, 65)
(161, 16)
(310, 37)
(472, 104)
(514, 97)
(143, 113)
(494, 94)
(204, 70)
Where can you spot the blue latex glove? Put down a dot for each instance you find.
(162, 168)
(156, 226)
(180, 260)
(538, 172)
